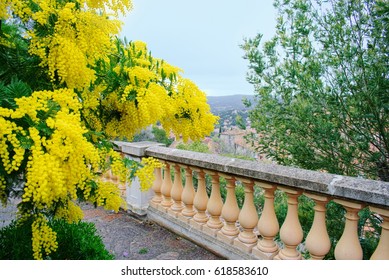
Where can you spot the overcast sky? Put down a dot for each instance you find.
(202, 37)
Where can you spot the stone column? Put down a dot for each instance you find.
(108, 176)
(382, 250)
(200, 202)
(137, 200)
(268, 226)
(248, 218)
(157, 188)
(187, 196)
(166, 188)
(348, 246)
(230, 213)
(214, 206)
(318, 242)
(176, 192)
(291, 232)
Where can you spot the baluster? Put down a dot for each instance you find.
(157, 188)
(291, 232)
(382, 250)
(176, 192)
(115, 179)
(248, 219)
(214, 206)
(348, 247)
(166, 189)
(318, 242)
(187, 196)
(268, 226)
(200, 202)
(230, 213)
(112, 178)
(123, 188)
(107, 175)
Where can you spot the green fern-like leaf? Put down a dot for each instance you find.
(8, 93)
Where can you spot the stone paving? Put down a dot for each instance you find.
(129, 237)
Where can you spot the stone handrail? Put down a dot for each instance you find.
(366, 191)
(240, 233)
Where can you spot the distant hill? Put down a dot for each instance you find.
(230, 102)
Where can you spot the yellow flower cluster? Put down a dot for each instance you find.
(140, 76)
(60, 163)
(79, 38)
(46, 8)
(153, 91)
(147, 108)
(3, 9)
(146, 173)
(108, 196)
(68, 62)
(70, 212)
(44, 239)
(191, 117)
(9, 142)
(21, 8)
(117, 166)
(112, 5)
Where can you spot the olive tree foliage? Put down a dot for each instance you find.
(322, 87)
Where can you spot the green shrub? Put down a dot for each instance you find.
(76, 241)
(196, 146)
(15, 242)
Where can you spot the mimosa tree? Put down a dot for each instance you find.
(68, 86)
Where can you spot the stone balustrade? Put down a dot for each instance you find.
(198, 211)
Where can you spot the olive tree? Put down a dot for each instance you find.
(322, 87)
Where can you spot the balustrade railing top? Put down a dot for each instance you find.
(357, 189)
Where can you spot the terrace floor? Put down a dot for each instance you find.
(129, 237)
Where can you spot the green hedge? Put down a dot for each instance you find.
(76, 241)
